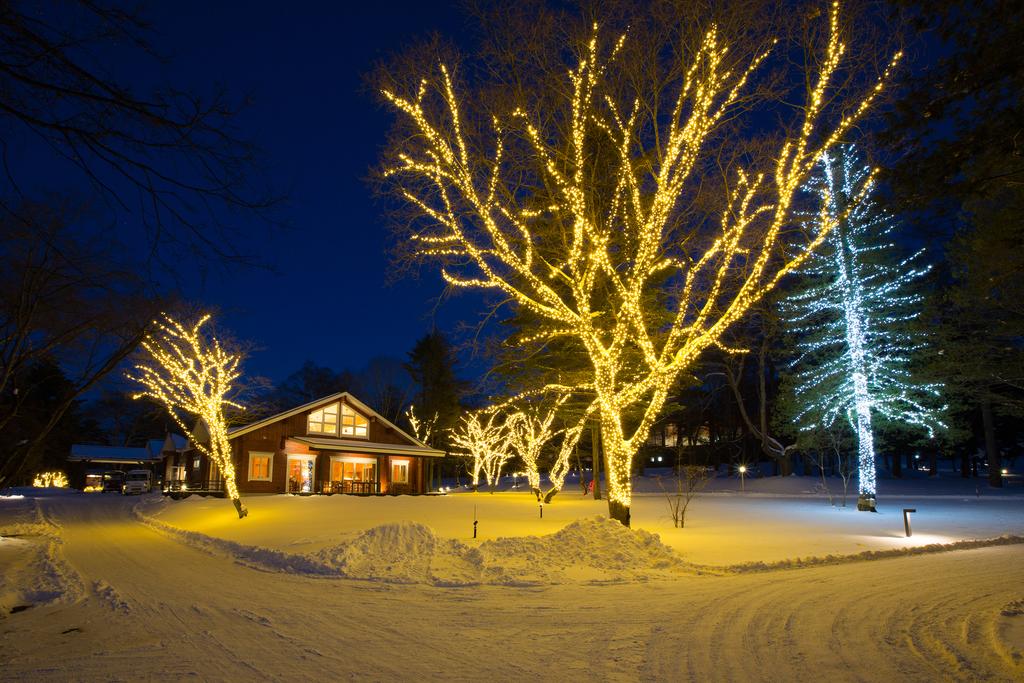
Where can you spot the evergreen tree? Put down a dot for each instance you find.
(958, 137)
(851, 317)
(38, 402)
(432, 366)
(309, 383)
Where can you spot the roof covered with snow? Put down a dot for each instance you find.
(113, 454)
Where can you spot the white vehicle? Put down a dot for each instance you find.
(137, 481)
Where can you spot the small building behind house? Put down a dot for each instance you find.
(87, 463)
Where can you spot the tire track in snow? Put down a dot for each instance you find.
(854, 621)
(896, 619)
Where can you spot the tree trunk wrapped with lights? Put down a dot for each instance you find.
(573, 215)
(190, 373)
(529, 431)
(485, 443)
(851, 318)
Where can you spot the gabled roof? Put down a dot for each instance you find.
(175, 442)
(171, 442)
(312, 405)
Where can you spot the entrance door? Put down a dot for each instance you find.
(300, 473)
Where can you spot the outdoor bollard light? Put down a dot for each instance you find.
(906, 520)
(743, 472)
(474, 521)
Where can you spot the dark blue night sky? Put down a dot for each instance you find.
(325, 297)
(324, 293)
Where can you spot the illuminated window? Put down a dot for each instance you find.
(671, 435)
(703, 435)
(324, 421)
(352, 469)
(654, 438)
(260, 465)
(353, 424)
(400, 472)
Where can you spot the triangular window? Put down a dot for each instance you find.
(353, 424)
(324, 421)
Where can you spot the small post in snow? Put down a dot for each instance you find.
(906, 521)
(474, 521)
(541, 509)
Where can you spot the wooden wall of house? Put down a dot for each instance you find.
(272, 438)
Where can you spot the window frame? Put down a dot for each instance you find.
(355, 423)
(321, 410)
(404, 464)
(670, 433)
(270, 465)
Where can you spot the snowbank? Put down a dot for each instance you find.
(591, 550)
(32, 569)
(596, 549)
(721, 529)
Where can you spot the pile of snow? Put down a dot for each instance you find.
(594, 549)
(591, 549)
(587, 550)
(405, 552)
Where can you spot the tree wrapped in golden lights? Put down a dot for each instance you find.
(577, 216)
(529, 431)
(191, 374)
(422, 429)
(482, 437)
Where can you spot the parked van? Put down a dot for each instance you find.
(113, 480)
(138, 481)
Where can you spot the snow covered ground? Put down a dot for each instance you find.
(396, 588)
(773, 520)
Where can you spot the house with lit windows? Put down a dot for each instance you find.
(668, 440)
(336, 444)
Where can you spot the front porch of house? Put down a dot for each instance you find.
(191, 472)
(330, 473)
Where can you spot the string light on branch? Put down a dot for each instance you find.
(45, 480)
(855, 347)
(529, 432)
(192, 376)
(482, 438)
(423, 430)
(602, 266)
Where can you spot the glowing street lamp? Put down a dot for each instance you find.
(743, 474)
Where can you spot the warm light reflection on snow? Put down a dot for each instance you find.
(897, 539)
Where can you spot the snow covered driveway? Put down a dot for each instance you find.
(149, 607)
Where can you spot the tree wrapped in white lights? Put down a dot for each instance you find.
(529, 431)
(484, 442)
(577, 215)
(851, 319)
(191, 374)
(422, 429)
